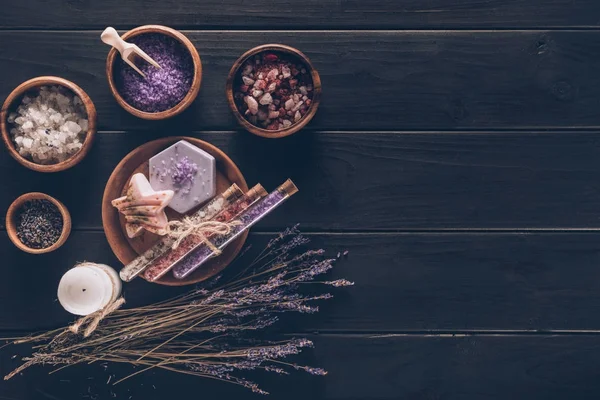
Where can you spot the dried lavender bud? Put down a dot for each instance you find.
(162, 88)
(39, 224)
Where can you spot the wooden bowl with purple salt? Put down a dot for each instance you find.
(48, 124)
(273, 90)
(163, 92)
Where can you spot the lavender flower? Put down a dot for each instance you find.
(208, 332)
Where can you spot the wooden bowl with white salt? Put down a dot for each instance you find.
(85, 138)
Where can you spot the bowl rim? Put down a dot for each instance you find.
(11, 228)
(317, 87)
(34, 83)
(194, 88)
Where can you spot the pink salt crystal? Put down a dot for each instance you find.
(298, 116)
(286, 123)
(266, 99)
(289, 104)
(260, 84)
(273, 114)
(252, 105)
(297, 106)
(302, 90)
(272, 87)
(286, 71)
(247, 81)
(272, 75)
(257, 93)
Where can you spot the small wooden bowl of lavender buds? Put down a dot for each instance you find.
(162, 92)
(48, 124)
(273, 90)
(38, 223)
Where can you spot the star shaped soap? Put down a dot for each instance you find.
(144, 207)
(188, 171)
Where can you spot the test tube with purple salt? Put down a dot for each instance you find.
(167, 261)
(248, 218)
(205, 213)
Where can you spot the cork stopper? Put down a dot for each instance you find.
(234, 192)
(288, 188)
(256, 192)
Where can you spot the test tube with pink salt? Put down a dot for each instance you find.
(248, 218)
(205, 213)
(163, 264)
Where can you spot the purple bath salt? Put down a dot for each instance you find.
(162, 88)
(250, 217)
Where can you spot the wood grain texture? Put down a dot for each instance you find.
(374, 181)
(362, 368)
(378, 80)
(287, 14)
(404, 283)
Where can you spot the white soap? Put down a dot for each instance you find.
(187, 170)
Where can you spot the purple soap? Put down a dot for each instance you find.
(162, 88)
(188, 171)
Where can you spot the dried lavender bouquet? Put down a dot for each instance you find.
(207, 331)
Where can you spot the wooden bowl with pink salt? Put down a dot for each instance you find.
(48, 124)
(273, 90)
(163, 92)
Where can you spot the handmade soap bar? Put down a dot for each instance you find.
(248, 218)
(205, 213)
(143, 207)
(187, 170)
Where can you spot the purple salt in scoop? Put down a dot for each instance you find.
(250, 217)
(160, 89)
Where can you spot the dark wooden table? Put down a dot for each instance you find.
(456, 155)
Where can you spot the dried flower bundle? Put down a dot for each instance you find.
(205, 332)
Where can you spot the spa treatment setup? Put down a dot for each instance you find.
(176, 211)
(316, 200)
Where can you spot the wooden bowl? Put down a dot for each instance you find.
(127, 249)
(185, 102)
(280, 48)
(32, 84)
(11, 222)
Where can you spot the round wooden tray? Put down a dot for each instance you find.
(114, 224)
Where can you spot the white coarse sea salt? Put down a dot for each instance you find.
(49, 127)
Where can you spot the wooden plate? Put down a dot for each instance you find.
(114, 224)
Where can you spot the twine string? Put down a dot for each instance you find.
(93, 320)
(180, 230)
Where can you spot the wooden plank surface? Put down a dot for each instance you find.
(288, 14)
(455, 156)
(363, 368)
(375, 181)
(404, 283)
(377, 80)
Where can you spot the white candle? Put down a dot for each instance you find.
(88, 287)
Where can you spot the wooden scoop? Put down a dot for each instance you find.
(128, 50)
